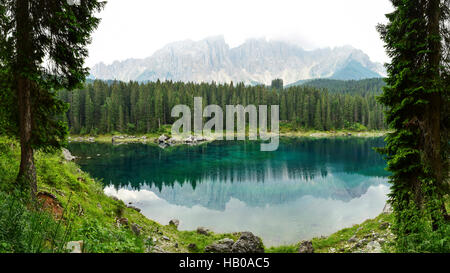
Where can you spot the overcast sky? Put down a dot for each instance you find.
(137, 28)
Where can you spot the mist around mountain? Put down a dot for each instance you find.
(257, 61)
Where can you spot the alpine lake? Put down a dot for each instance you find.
(308, 187)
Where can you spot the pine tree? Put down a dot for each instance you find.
(317, 117)
(89, 113)
(415, 95)
(33, 31)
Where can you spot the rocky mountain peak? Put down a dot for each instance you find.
(255, 61)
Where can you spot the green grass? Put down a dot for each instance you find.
(286, 129)
(92, 214)
(339, 240)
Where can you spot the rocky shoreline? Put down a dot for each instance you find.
(164, 141)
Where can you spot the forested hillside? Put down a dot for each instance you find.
(361, 87)
(103, 107)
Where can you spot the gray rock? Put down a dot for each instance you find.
(373, 247)
(67, 155)
(157, 249)
(163, 138)
(192, 247)
(306, 247)
(200, 138)
(114, 198)
(75, 246)
(387, 208)
(166, 238)
(190, 139)
(248, 243)
(136, 229)
(122, 222)
(174, 222)
(360, 243)
(352, 239)
(163, 145)
(135, 208)
(221, 246)
(203, 231)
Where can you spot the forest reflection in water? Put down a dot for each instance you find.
(307, 187)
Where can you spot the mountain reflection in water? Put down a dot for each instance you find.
(308, 187)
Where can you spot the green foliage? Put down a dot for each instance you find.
(145, 107)
(59, 34)
(361, 87)
(201, 241)
(99, 238)
(277, 84)
(416, 96)
(28, 231)
(358, 127)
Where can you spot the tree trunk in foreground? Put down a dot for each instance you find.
(432, 134)
(27, 173)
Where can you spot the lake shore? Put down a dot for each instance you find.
(153, 138)
(122, 227)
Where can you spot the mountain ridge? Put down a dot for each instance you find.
(254, 61)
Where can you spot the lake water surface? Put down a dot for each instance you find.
(307, 188)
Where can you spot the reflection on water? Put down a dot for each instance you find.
(308, 187)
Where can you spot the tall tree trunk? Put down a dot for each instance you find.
(432, 132)
(27, 173)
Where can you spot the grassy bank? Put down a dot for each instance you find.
(90, 215)
(285, 131)
(84, 212)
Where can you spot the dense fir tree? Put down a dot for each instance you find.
(42, 49)
(417, 40)
(144, 107)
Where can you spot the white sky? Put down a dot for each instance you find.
(137, 28)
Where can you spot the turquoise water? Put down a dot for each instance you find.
(308, 187)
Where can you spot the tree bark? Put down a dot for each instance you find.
(27, 173)
(432, 132)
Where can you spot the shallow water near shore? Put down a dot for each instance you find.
(308, 187)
